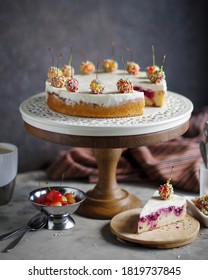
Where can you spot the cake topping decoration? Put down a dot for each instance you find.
(71, 83)
(124, 85)
(110, 65)
(67, 69)
(131, 66)
(157, 75)
(58, 81)
(96, 86)
(86, 67)
(53, 70)
(153, 67)
(166, 190)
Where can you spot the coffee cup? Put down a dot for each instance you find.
(8, 171)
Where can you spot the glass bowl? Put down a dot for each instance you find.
(59, 217)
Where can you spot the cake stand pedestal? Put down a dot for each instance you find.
(107, 137)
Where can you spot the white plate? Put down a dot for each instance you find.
(176, 111)
(196, 212)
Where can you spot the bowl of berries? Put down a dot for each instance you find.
(58, 203)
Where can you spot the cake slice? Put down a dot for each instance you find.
(154, 87)
(160, 212)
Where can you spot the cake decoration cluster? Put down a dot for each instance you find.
(72, 84)
(110, 65)
(67, 69)
(87, 67)
(202, 204)
(58, 81)
(166, 190)
(151, 69)
(53, 72)
(124, 85)
(155, 73)
(97, 87)
(64, 77)
(131, 66)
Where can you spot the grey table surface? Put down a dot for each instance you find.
(89, 239)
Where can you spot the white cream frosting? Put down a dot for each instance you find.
(155, 203)
(110, 96)
(146, 84)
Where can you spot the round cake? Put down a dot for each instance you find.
(85, 102)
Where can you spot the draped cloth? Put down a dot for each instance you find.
(151, 163)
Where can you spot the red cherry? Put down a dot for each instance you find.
(57, 197)
(54, 196)
(49, 196)
(40, 200)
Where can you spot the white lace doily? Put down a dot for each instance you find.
(176, 111)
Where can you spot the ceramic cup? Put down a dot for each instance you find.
(8, 171)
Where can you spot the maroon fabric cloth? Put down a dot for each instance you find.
(145, 163)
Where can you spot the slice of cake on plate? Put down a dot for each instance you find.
(164, 208)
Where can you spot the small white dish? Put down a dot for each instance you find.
(202, 218)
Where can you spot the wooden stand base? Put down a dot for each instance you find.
(107, 199)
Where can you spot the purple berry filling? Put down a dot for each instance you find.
(154, 216)
(147, 92)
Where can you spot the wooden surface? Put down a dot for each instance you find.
(124, 226)
(108, 141)
(107, 198)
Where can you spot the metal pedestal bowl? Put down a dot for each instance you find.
(59, 217)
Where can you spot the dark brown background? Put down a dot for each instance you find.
(177, 28)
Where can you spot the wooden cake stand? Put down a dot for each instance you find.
(107, 137)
